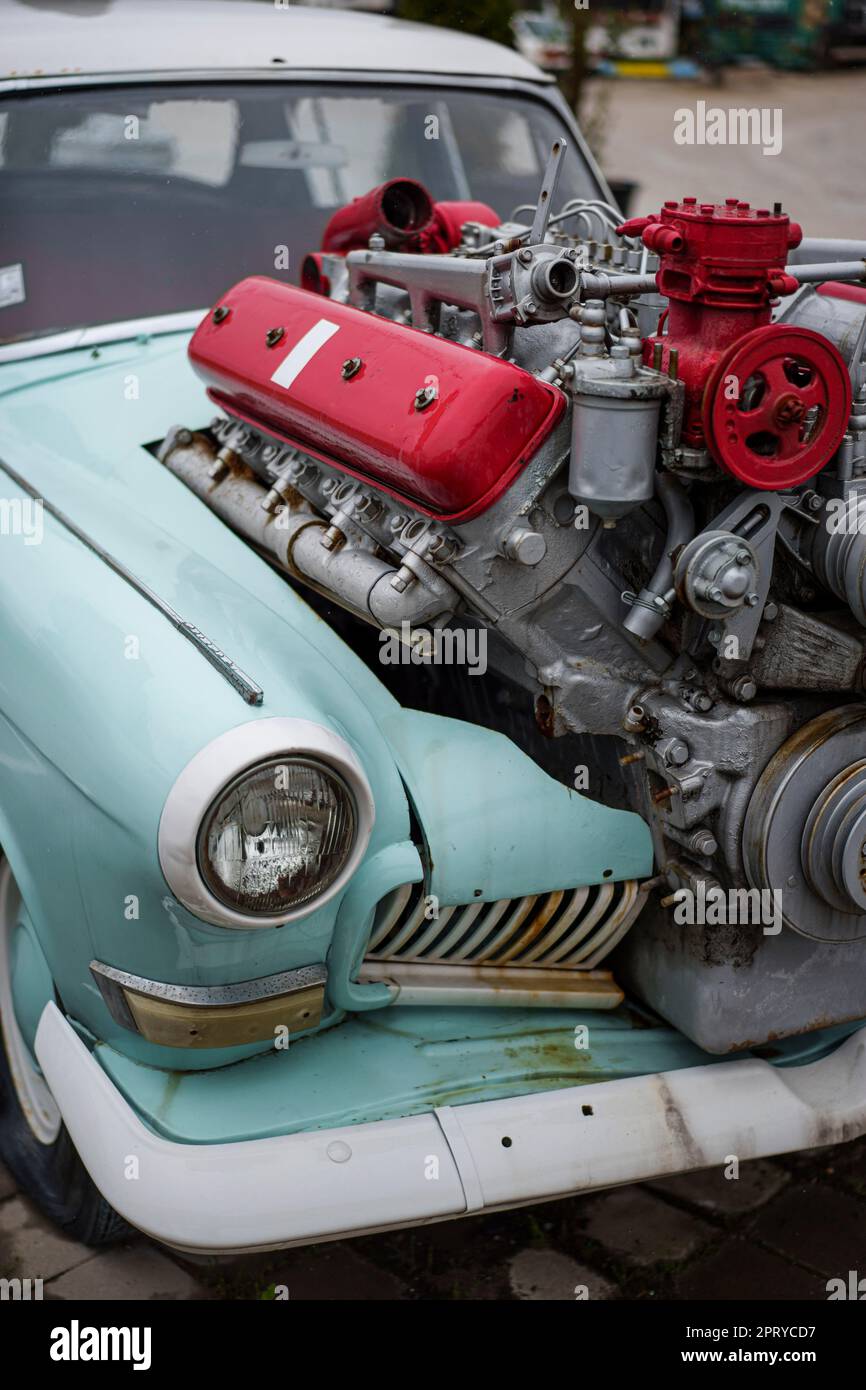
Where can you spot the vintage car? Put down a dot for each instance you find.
(400, 702)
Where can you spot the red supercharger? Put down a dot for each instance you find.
(770, 402)
(443, 426)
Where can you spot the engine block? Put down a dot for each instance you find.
(634, 455)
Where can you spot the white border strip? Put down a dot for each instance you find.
(303, 352)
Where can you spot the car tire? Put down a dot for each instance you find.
(34, 1143)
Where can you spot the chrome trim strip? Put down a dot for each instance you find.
(212, 769)
(126, 330)
(243, 684)
(49, 82)
(113, 982)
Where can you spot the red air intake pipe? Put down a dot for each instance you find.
(397, 210)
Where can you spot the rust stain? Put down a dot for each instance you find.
(678, 1127)
(537, 926)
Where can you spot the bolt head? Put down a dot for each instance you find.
(350, 368)
(274, 336)
(220, 314)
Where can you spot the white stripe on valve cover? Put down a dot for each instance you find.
(303, 351)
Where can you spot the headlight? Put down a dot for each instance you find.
(277, 836)
(265, 824)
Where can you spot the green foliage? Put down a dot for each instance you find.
(489, 18)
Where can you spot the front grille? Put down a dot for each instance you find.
(571, 929)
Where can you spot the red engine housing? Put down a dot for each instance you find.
(277, 357)
(721, 266)
(717, 264)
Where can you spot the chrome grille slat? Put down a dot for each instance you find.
(615, 929)
(399, 900)
(537, 927)
(567, 930)
(427, 938)
(464, 922)
(584, 927)
(549, 940)
(515, 920)
(406, 932)
(497, 910)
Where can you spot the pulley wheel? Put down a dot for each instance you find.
(776, 406)
(805, 829)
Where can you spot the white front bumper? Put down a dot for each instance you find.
(269, 1193)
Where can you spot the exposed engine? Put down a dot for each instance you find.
(634, 454)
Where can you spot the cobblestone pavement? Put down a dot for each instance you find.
(781, 1230)
(818, 176)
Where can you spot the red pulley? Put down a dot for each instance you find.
(776, 406)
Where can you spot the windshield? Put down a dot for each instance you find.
(126, 202)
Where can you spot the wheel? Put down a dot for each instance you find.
(34, 1143)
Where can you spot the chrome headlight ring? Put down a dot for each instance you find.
(212, 772)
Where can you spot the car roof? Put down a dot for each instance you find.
(77, 38)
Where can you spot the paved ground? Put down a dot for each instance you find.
(781, 1230)
(818, 176)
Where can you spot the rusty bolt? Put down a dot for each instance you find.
(630, 758)
(635, 719)
(220, 314)
(665, 795)
(424, 396)
(274, 336)
(350, 368)
(333, 538)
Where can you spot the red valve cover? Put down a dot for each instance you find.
(451, 459)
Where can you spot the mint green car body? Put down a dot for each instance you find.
(103, 703)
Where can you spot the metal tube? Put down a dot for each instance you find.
(600, 285)
(814, 249)
(829, 270)
(652, 605)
